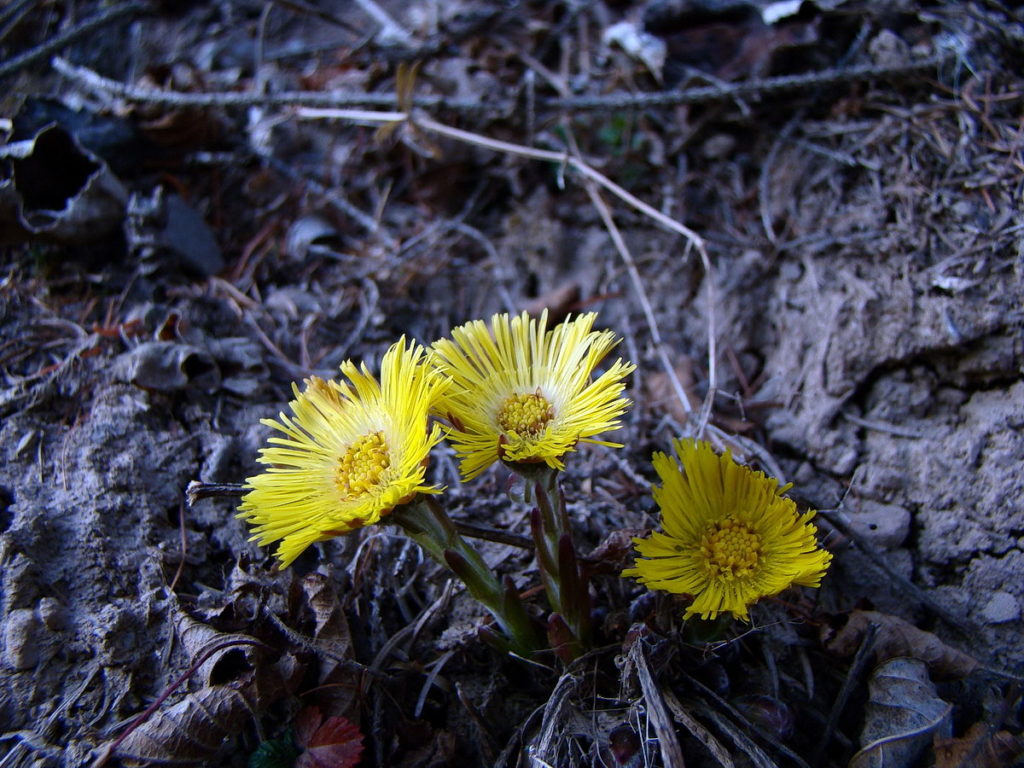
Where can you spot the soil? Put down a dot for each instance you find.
(864, 306)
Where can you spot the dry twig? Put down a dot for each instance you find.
(91, 24)
(753, 88)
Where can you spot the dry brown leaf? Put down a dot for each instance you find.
(897, 637)
(338, 683)
(998, 749)
(902, 713)
(615, 551)
(558, 301)
(195, 729)
(662, 395)
(236, 682)
(192, 731)
(225, 665)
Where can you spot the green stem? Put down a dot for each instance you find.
(425, 522)
(566, 584)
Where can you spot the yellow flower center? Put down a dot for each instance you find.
(363, 465)
(730, 548)
(526, 415)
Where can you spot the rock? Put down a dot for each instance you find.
(21, 644)
(52, 613)
(884, 525)
(1002, 607)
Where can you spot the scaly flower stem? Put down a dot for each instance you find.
(426, 522)
(566, 585)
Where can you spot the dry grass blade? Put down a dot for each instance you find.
(744, 743)
(702, 734)
(552, 731)
(638, 286)
(853, 677)
(671, 751)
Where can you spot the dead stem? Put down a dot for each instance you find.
(853, 678)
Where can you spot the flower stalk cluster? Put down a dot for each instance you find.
(355, 452)
(512, 391)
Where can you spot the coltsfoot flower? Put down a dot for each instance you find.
(350, 454)
(730, 537)
(523, 394)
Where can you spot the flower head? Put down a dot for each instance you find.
(730, 537)
(349, 455)
(522, 393)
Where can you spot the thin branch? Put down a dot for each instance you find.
(705, 94)
(96, 83)
(769, 86)
(390, 30)
(69, 36)
(838, 518)
(577, 163)
(12, 15)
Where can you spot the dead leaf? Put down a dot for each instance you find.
(224, 666)
(897, 637)
(237, 683)
(337, 683)
(902, 713)
(192, 731)
(662, 395)
(167, 366)
(558, 301)
(57, 190)
(331, 743)
(997, 749)
(615, 551)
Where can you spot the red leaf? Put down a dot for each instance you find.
(336, 744)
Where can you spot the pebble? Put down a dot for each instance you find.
(884, 525)
(21, 646)
(1001, 608)
(53, 614)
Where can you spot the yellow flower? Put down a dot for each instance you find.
(350, 454)
(524, 394)
(730, 538)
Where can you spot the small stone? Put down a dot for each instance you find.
(884, 525)
(21, 646)
(53, 614)
(887, 49)
(718, 146)
(1001, 608)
